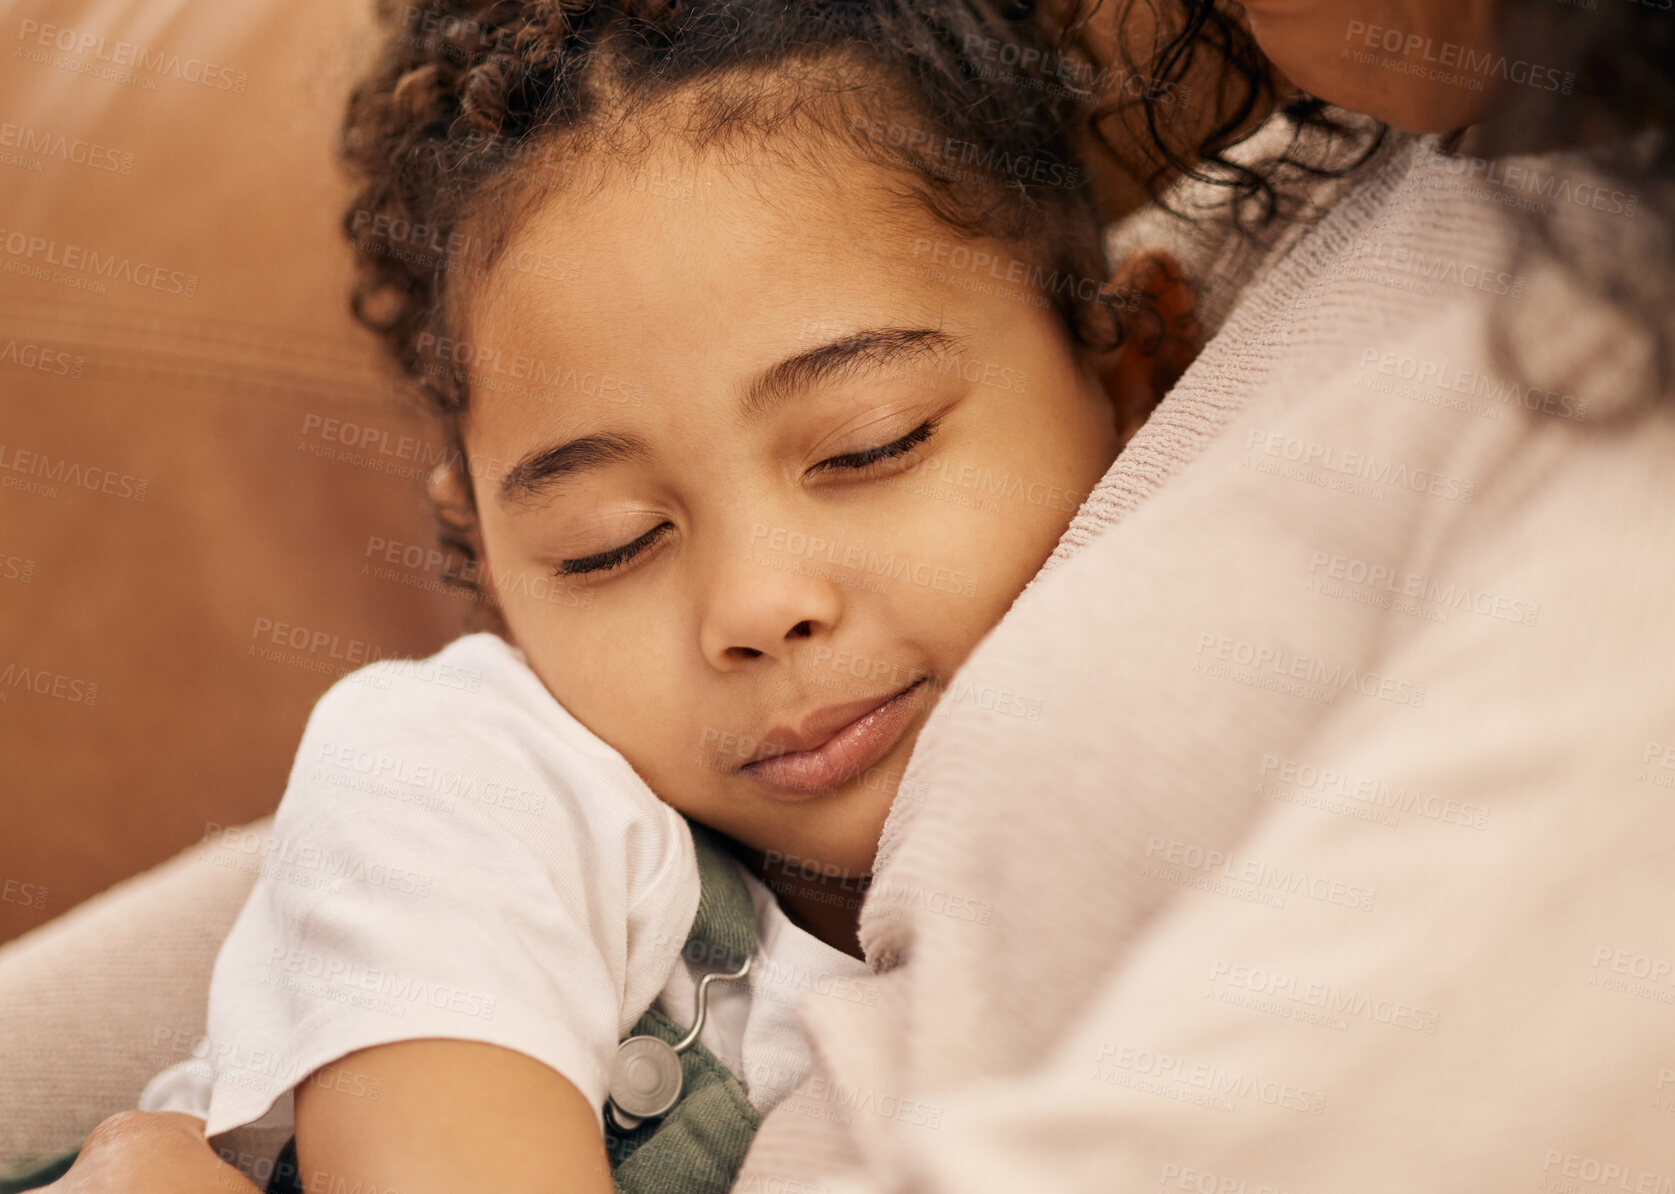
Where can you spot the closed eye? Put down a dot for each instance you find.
(606, 560)
(900, 447)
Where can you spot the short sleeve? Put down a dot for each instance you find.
(455, 856)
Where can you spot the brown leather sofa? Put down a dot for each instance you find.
(197, 448)
(200, 456)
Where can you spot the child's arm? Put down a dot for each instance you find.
(459, 872)
(450, 1116)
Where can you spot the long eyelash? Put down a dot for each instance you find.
(606, 560)
(857, 460)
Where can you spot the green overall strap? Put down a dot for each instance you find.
(698, 1146)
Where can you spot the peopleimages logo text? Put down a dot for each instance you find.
(133, 55)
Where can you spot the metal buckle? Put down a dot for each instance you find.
(645, 1079)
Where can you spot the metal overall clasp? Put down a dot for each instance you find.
(645, 1078)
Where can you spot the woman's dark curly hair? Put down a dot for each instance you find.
(1616, 114)
(1617, 117)
(1187, 84)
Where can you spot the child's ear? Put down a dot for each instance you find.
(1158, 311)
(449, 489)
(450, 492)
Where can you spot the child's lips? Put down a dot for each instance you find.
(850, 750)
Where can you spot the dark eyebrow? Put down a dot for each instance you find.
(869, 349)
(542, 469)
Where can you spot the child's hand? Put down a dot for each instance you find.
(150, 1152)
(1160, 321)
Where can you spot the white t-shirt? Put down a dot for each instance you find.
(457, 856)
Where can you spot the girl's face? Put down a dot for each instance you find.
(756, 450)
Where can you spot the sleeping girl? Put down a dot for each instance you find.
(776, 345)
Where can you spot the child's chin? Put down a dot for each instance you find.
(859, 823)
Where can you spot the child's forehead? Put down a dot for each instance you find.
(709, 225)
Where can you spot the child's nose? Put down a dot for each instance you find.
(760, 602)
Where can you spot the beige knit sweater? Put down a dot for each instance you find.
(1342, 856)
